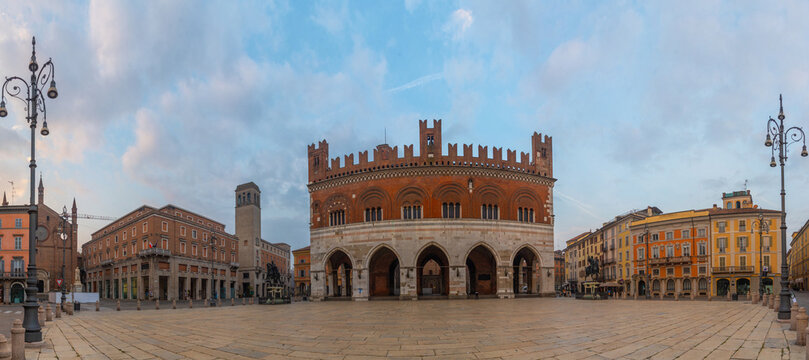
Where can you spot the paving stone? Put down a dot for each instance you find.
(532, 328)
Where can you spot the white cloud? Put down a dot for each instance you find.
(331, 19)
(417, 82)
(412, 5)
(459, 22)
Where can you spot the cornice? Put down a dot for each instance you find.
(420, 171)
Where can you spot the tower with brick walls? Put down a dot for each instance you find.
(318, 160)
(542, 154)
(429, 140)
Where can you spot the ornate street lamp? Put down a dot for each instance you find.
(763, 228)
(34, 103)
(64, 245)
(778, 139)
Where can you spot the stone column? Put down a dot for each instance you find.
(407, 283)
(140, 285)
(187, 286)
(508, 274)
(360, 284)
(457, 282)
(198, 290)
(174, 280)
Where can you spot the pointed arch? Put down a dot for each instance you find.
(526, 264)
(383, 264)
(481, 269)
(432, 270)
(488, 247)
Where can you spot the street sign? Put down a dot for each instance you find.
(58, 282)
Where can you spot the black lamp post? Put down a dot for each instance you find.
(64, 244)
(782, 139)
(34, 103)
(213, 251)
(763, 227)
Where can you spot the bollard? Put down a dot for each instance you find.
(232, 302)
(244, 301)
(17, 341)
(190, 304)
(636, 296)
(97, 307)
(793, 318)
(219, 302)
(70, 308)
(771, 300)
(693, 295)
(251, 300)
(48, 313)
(207, 302)
(138, 304)
(157, 304)
(118, 306)
(676, 296)
(59, 311)
(5, 348)
(174, 303)
(765, 299)
(41, 317)
(754, 299)
(801, 320)
(777, 303)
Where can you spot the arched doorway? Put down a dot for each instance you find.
(338, 275)
(17, 293)
(383, 272)
(641, 288)
(742, 286)
(481, 270)
(432, 272)
(768, 286)
(722, 287)
(525, 268)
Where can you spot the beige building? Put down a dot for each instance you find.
(256, 253)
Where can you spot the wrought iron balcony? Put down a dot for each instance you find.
(107, 262)
(702, 258)
(732, 269)
(154, 252)
(234, 265)
(657, 261)
(13, 274)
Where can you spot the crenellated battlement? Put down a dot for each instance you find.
(538, 162)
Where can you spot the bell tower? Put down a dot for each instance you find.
(248, 223)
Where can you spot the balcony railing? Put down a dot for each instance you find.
(702, 258)
(732, 269)
(657, 261)
(154, 252)
(12, 274)
(107, 262)
(234, 264)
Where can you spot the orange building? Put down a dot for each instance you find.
(13, 252)
(672, 254)
(302, 264)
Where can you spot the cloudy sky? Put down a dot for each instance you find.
(649, 103)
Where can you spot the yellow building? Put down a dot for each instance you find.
(799, 259)
(617, 248)
(741, 248)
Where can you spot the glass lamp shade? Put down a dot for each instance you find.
(804, 153)
(44, 130)
(772, 162)
(52, 93)
(768, 142)
(3, 111)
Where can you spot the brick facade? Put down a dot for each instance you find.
(484, 224)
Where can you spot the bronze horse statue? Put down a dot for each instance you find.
(592, 268)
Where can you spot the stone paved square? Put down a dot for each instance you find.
(528, 328)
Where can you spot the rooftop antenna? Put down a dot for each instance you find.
(386, 135)
(12, 191)
(745, 184)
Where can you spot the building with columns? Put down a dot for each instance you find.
(433, 224)
(162, 253)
